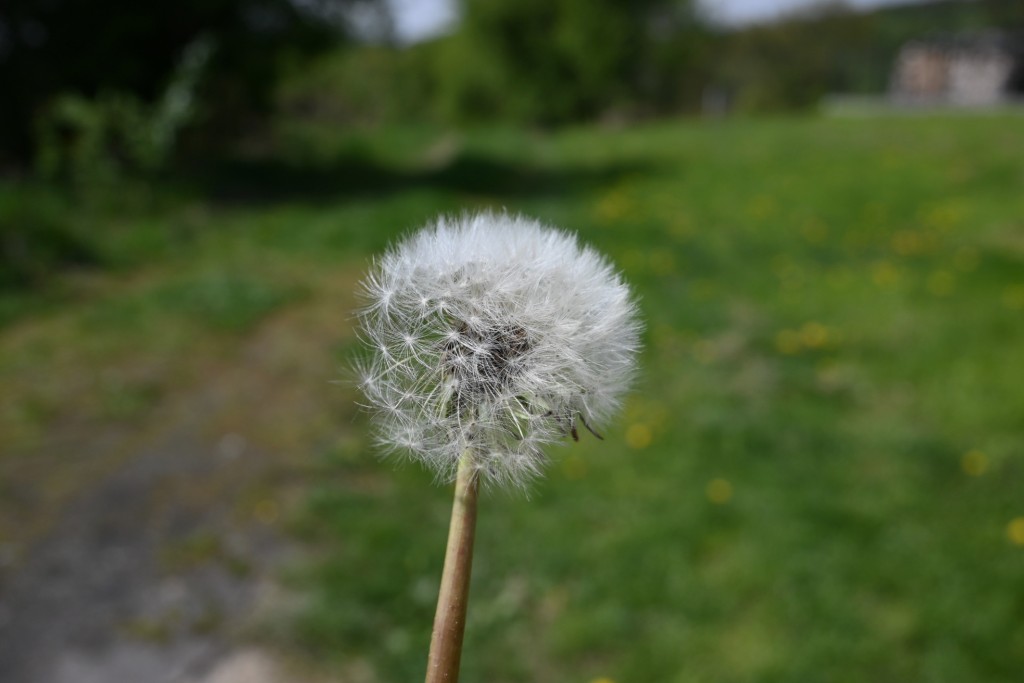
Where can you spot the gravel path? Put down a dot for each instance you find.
(143, 549)
(147, 576)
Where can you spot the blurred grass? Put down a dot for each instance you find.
(817, 478)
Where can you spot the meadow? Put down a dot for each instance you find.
(817, 478)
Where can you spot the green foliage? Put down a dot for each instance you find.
(98, 145)
(553, 62)
(792, 63)
(364, 85)
(127, 47)
(38, 235)
(99, 159)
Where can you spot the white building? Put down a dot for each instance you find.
(979, 69)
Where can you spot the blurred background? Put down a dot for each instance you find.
(820, 206)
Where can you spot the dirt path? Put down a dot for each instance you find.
(136, 583)
(160, 558)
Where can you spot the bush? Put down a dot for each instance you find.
(96, 144)
(364, 85)
(548, 62)
(37, 236)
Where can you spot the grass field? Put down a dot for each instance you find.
(819, 476)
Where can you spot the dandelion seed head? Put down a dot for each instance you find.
(493, 333)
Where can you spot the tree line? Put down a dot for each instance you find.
(537, 62)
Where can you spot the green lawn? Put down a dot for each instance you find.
(819, 477)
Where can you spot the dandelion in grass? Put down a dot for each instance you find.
(491, 336)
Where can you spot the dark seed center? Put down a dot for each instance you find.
(486, 360)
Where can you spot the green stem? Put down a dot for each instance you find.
(450, 619)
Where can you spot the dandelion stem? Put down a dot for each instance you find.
(450, 619)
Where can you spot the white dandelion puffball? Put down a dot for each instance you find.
(491, 336)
